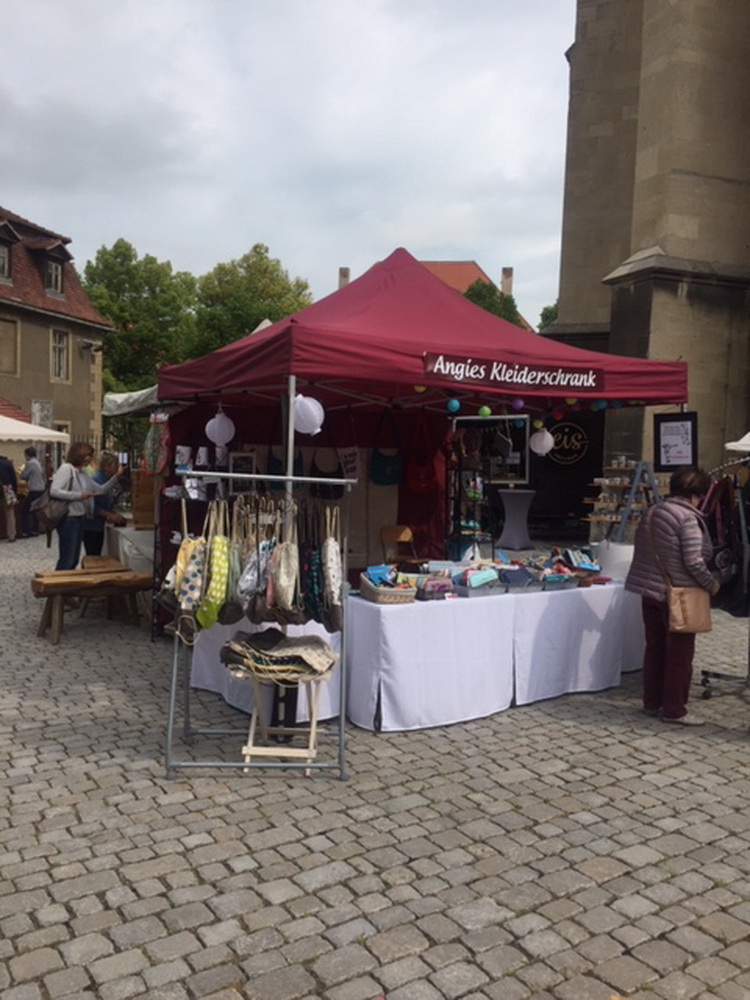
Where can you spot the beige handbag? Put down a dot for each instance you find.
(689, 607)
(284, 569)
(332, 571)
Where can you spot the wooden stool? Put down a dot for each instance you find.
(259, 724)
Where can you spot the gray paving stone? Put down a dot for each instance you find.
(472, 857)
(35, 965)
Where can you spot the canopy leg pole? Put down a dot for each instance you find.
(289, 485)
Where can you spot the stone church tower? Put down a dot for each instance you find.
(656, 221)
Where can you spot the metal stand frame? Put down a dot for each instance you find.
(181, 665)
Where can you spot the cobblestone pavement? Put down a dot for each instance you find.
(573, 849)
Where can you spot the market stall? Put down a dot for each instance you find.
(398, 341)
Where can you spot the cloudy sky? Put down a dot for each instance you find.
(334, 131)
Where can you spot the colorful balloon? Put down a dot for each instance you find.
(453, 406)
(484, 411)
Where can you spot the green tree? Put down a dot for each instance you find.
(152, 310)
(487, 295)
(235, 297)
(548, 317)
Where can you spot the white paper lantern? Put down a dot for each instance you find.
(220, 429)
(308, 415)
(541, 442)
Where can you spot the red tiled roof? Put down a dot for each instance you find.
(8, 409)
(26, 287)
(458, 274)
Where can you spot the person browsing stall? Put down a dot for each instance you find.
(673, 539)
(104, 512)
(9, 496)
(70, 483)
(33, 475)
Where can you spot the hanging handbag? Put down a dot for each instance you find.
(326, 491)
(719, 508)
(217, 548)
(254, 579)
(332, 571)
(420, 464)
(231, 611)
(495, 444)
(49, 511)
(689, 607)
(284, 569)
(386, 468)
(275, 467)
(311, 568)
(190, 567)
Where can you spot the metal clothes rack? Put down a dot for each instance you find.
(708, 675)
(181, 661)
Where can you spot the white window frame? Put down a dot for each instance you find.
(13, 323)
(60, 359)
(53, 281)
(5, 261)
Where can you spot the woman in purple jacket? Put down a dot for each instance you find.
(676, 529)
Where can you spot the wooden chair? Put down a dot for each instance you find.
(397, 541)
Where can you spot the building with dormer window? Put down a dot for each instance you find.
(51, 337)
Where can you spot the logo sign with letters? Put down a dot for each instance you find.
(514, 376)
(571, 443)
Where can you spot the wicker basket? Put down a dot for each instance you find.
(385, 595)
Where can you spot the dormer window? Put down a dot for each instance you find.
(4, 261)
(53, 276)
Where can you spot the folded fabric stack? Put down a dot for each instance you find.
(271, 655)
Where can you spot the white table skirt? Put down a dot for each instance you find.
(209, 673)
(430, 663)
(134, 547)
(436, 663)
(575, 640)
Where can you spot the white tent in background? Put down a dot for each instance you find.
(19, 430)
(743, 445)
(119, 404)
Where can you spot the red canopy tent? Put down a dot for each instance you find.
(398, 326)
(399, 337)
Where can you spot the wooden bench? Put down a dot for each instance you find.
(101, 576)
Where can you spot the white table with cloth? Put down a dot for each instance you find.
(134, 547)
(429, 663)
(413, 666)
(433, 663)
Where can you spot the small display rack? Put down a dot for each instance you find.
(626, 489)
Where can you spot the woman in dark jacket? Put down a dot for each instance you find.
(676, 530)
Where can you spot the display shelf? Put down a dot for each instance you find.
(625, 492)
